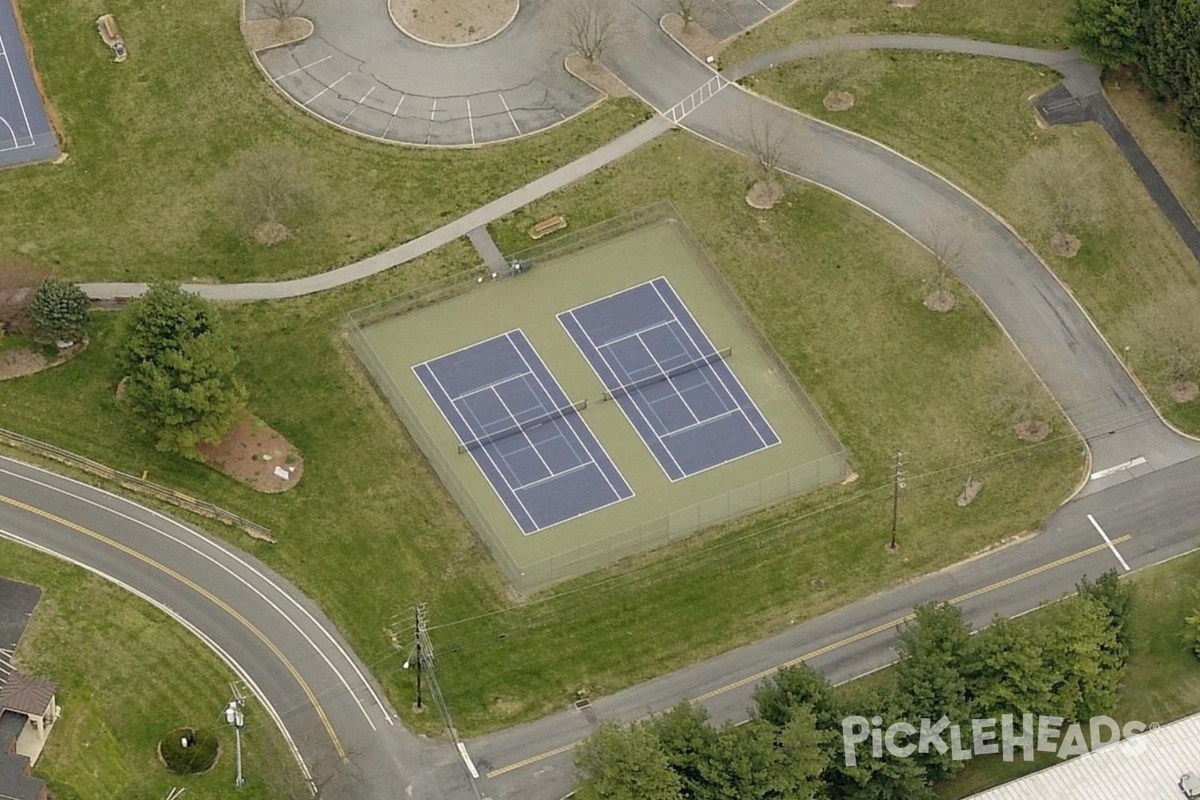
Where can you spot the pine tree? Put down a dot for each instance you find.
(60, 310)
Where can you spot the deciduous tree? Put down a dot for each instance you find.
(624, 764)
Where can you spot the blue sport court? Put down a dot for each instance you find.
(526, 436)
(25, 133)
(672, 384)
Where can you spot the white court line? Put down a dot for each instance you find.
(326, 89)
(17, 91)
(388, 127)
(708, 362)
(704, 421)
(356, 105)
(467, 347)
(732, 374)
(540, 481)
(1108, 541)
(524, 434)
(638, 332)
(1104, 473)
(486, 452)
(16, 145)
(491, 385)
(511, 118)
(300, 69)
(666, 376)
(587, 427)
(621, 405)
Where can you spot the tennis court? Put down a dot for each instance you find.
(25, 133)
(669, 379)
(526, 436)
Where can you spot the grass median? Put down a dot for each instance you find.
(369, 531)
(127, 675)
(1038, 24)
(1131, 261)
(151, 187)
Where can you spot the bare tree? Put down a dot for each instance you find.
(945, 236)
(766, 142)
(18, 280)
(694, 10)
(589, 27)
(1065, 181)
(280, 10)
(1169, 328)
(269, 189)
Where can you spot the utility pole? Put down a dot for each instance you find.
(897, 485)
(235, 717)
(424, 650)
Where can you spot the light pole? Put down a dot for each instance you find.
(235, 717)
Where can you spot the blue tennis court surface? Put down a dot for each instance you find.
(25, 133)
(518, 425)
(670, 381)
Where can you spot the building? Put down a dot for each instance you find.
(1151, 766)
(28, 707)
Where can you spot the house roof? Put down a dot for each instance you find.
(17, 601)
(26, 694)
(15, 784)
(1146, 767)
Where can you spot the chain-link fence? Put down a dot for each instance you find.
(530, 576)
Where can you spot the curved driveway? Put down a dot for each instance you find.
(288, 650)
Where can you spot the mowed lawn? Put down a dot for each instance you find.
(1041, 23)
(126, 675)
(1162, 680)
(154, 146)
(1131, 260)
(369, 531)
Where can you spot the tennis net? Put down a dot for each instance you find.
(521, 427)
(667, 375)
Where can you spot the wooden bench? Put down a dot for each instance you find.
(555, 223)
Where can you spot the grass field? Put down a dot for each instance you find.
(1034, 24)
(1131, 259)
(370, 506)
(127, 674)
(1162, 681)
(154, 145)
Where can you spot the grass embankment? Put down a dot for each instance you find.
(1040, 24)
(1131, 260)
(154, 146)
(127, 675)
(1162, 680)
(369, 531)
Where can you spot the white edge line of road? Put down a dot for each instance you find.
(199, 634)
(1108, 542)
(235, 575)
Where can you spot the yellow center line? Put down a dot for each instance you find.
(766, 673)
(308, 692)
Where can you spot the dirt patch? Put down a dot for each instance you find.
(695, 39)
(1065, 245)
(1184, 391)
(21, 361)
(257, 455)
(904, 3)
(764, 194)
(270, 233)
(263, 34)
(1032, 430)
(838, 101)
(596, 75)
(452, 22)
(969, 493)
(941, 301)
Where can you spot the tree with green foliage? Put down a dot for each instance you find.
(889, 777)
(805, 750)
(1006, 671)
(1191, 630)
(690, 744)
(1170, 56)
(615, 763)
(934, 653)
(60, 310)
(1108, 32)
(180, 364)
(1079, 651)
(1116, 598)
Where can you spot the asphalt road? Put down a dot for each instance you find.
(1141, 496)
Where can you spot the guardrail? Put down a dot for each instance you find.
(134, 483)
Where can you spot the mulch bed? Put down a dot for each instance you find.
(453, 22)
(263, 34)
(695, 39)
(941, 301)
(764, 195)
(257, 455)
(597, 76)
(1032, 430)
(21, 361)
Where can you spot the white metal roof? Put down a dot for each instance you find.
(1123, 771)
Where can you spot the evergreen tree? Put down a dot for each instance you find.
(1171, 56)
(1116, 598)
(60, 309)
(1108, 32)
(180, 364)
